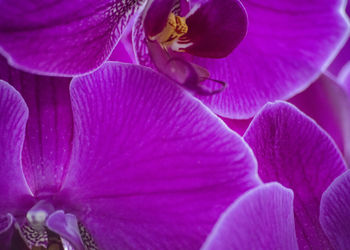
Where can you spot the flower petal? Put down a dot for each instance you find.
(49, 131)
(293, 150)
(335, 212)
(62, 37)
(6, 230)
(262, 218)
(66, 225)
(216, 28)
(13, 117)
(151, 166)
(287, 46)
(343, 56)
(328, 104)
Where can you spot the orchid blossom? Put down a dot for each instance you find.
(258, 51)
(293, 150)
(123, 158)
(250, 52)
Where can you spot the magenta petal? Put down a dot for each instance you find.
(335, 212)
(62, 37)
(293, 150)
(6, 230)
(329, 105)
(287, 46)
(13, 118)
(216, 28)
(49, 130)
(262, 218)
(66, 225)
(152, 168)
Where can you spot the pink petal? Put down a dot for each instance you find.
(288, 44)
(49, 131)
(14, 192)
(293, 150)
(335, 212)
(62, 37)
(328, 104)
(261, 218)
(151, 167)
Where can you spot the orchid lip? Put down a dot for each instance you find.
(49, 228)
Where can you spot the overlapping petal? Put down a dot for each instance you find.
(293, 150)
(62, 37)
(287, 46)
(335, 212)
(262, 218)
(155, 168)
(343, 56)
(49, 130)
(328, 104)
(13, 116)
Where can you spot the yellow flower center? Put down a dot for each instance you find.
(174, 29)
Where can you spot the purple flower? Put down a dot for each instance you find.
(294, 151)
(122, 154)
(287, 45)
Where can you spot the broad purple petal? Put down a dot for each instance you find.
(216, 28)
(151, 166)
(13, 117)
(329, 105)
(49, 131)
(335, 212)
(262, 218)
(287, 46)
(62, 37)
(293, 150)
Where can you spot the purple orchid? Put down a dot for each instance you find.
(122, 157)
(294, 151)
(269, 50)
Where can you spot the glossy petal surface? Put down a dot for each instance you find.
(49, 131)
(155, 168)
(62, 37)
(262, 218)
(287, 46)
(293, 150)
(335, 212)
(13, 117)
